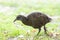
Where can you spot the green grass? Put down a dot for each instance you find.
(9, 29)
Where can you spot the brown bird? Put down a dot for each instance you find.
(35, 19)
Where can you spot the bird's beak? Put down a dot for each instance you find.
(14, 20)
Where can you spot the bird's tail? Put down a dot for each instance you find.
(50, 19)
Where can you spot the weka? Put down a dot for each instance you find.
(35, 19)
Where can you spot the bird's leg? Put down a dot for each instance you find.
(39, 31)
(45, 30)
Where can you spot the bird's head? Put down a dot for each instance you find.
(19, 17)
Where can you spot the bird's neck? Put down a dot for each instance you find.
(25, 20)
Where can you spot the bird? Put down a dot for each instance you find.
(35, 20)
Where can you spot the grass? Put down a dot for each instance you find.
(8, 28)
